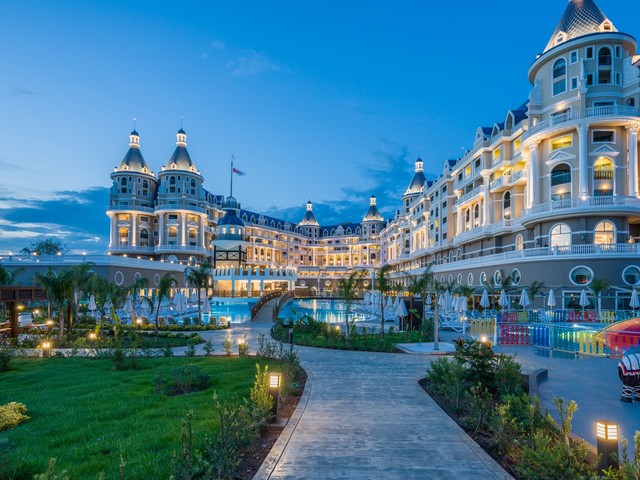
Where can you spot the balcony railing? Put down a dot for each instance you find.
(577, 203)
(472, 194)
(591, 112)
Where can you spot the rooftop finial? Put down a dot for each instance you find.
(181, 122)
(134, 123)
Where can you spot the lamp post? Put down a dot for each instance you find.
(274, 390)
(46, 346)
(607, 444)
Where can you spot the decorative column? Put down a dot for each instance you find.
(533, 174)
(183, 229)
(526, 156)
(203, 223)
(114, 229)
(485, 214)
(134, 230)
(583, 169)
(633, 160)
(161, 229)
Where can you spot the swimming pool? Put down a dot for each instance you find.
(324, 310)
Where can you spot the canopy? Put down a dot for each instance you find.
(206, 306)
(484, 300)
(402, 310)
(551, 301)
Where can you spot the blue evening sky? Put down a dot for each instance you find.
(330, 101)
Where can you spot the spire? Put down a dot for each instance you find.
(418, 179)
(581, 17)
(373, 214)
(133, 161)
(309, 217)
(181, 138)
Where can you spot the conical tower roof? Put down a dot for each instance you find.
(133, 160)
(418, 179)
(309, 217)
(582, 17)
(373, 214)
(180, 159)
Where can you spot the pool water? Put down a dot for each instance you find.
(323, 310)
(233, 312)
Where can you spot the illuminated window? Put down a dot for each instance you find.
(124, 236)
(483, 278)
(467, 171)
(144, 237)
(517, 144)
(519, 242)
(173, 235)
(470, 279)
(560, 235)
(603, 169)
(604, 233)
(581, 275)
(562, 142)
(497, 153)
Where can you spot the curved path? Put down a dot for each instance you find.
(364, 416)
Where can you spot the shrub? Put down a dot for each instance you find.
(266, 348)
(181, 380)
(508, 375)
(11, 415)
(123, 359)
(7, 352)
(243, 348)
(208, 348)
(261, 400)
(167, 352)
(479, 362)
(227, 345)
(187, 463)
(447, 379)
(191, 350)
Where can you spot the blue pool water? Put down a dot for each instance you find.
(233, 312)
(323, 310)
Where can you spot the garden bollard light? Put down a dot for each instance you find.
(92, 335)
(274, 391)
(46, 346)
(607, 445)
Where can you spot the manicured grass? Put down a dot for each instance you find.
(85, 414)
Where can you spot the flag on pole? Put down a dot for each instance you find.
(239, 172)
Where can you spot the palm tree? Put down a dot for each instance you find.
(420, 286)
(167, 282)
(7, 278)
(118, 295)
(383, 285)
(535, 288)
(347, 292)
(59, 289)
(599, 285)
(81, 276)
(198, 278)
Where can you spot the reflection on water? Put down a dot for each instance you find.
(233, 312)
(323, 310)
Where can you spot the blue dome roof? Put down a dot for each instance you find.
(231, 218)
(133, 161)
(582, 17)
(180, 160)
(419, 180)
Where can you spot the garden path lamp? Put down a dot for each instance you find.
(92, 336)
(607, 444)
(275, 380)
(46, 347)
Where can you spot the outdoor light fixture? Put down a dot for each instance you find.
(240, 341)
(138, 321)
(483, 339)
(607, 444)
(46, 346)
(50, 323)
(92, 335)
(274, 391)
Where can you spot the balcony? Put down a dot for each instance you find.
(618, 204)
(130, 206)
(469, 196)
(131, 249)
(576, 115)
(182, 249)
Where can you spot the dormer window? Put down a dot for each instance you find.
(606, 27)
(560, 38)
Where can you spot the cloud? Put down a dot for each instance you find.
(387, 174)
(252, 63)
(22, 91)
(77, 218)
(218, 45)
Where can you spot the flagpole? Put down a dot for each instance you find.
(231, 190)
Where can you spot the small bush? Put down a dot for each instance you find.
(508, 375)
(447, 379)
(7, 352)
(208, 348)
(11, 415)
(227, 345)
(167, 352)
(243, 348)
(191, 350)
(182, 380)
(261, 400)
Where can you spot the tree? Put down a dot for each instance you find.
(198, 278)
(599, 285)
(118, 295)
(383, 285)
(535, 288)
(81, 276)
(167, 282)
(347, 292)
(137, 285)
(59, 290)
(8, 277)
(45, 246)
(420, 286)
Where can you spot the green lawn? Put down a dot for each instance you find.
(86, 414)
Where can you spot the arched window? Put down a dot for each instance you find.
(560, 235)
(123, 185)
(476, 215)
(560, 174)
(467, 219)
(604, 233)
(603, 177)
(193, 237)
(604, 66)
(144, 237)
(559, 76)
(506, 206)
(519, 242)
(124, 236)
